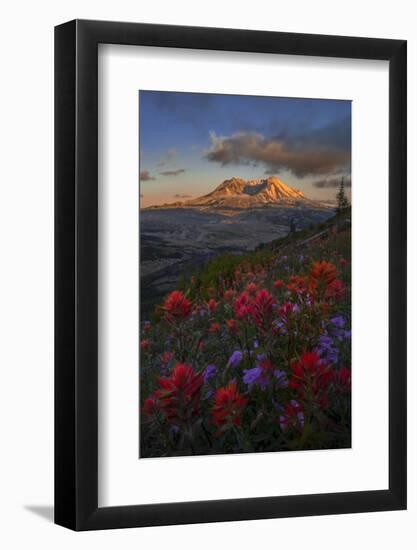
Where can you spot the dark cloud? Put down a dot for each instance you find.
(335, 136)
(180, 196)
(146, 176)
(318, 151)
(302, 156)
(173, 172)
(332, 183)
(338, 135)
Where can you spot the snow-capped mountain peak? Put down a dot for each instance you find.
(240, 193)
(235, 195)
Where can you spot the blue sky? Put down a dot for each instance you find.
(190, 143)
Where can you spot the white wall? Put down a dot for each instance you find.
(26, 272)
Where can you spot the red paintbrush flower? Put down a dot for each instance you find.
(214, 327)
(278, 283)
(323, 271)
(145, 344)
(335, 290)
(179, 394)
(176, 306)
(212, 305)
(311, 377)
(342, 380)
(150, 406)
(262, 308)
(228, 294)
(233, 326)
(322, 274)
(297, 285)
(242, 306)
(228, 407)
(251, 289)
(323, 281)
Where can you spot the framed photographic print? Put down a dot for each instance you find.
(230, 275)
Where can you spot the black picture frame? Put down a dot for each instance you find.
(76, 272)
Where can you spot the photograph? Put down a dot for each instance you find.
(209, 275)
(245, 274)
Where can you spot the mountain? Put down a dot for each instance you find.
(237, 193)
(240, 193)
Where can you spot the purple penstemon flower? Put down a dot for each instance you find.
(253, 376)
(325, 341)
(338, 321)
(281, 377)
(337, 328)
(279, 327)
(338, 334)
(260, 375)
(210, 371)
(257, 375)
(326, 350)
(235, 359)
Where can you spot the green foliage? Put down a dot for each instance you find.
(222, 268)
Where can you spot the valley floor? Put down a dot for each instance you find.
(174, 242)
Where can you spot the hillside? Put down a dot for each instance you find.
(333, 233)
(252, 353)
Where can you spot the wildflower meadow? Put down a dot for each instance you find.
(253, 352)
